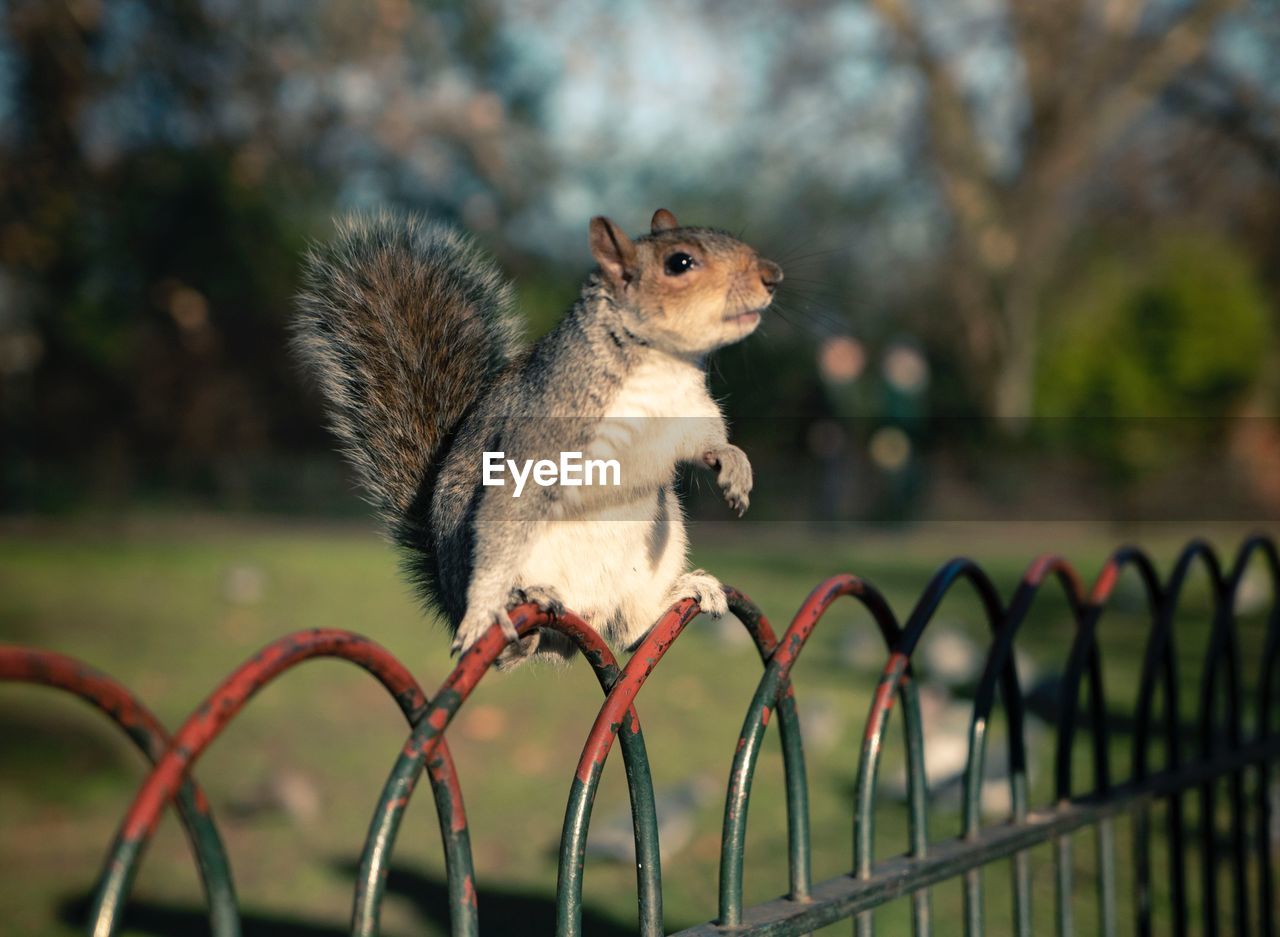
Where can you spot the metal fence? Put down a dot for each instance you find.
(1236, 742)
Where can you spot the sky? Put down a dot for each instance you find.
(633, 98)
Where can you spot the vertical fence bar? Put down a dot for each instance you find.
(1209, 688)
(1271, 645)
(917, 797)
(1208, 860)
(644, 820)
(793, 764)
(1102, 788)
(1085, 657)
(733, 841)
(1106, 846)
(895, 672)
(1159, 672)
(1225, 656)
(1160, 664)
(868, 766)
(1268, 694)
(1268, 690)
(1000, 671)
(424, 740)
(917, 784)
(618, 710)
(644, 816)
(1062, 886)
(771, 693)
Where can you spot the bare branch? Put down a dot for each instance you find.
(1158, 63)
(1233, 107)
(959, 159)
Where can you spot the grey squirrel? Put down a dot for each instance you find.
(409, 331)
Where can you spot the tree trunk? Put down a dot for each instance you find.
(1014, 382)
(1013, 390)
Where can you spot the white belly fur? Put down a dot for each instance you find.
(607, 569)
(608, 561)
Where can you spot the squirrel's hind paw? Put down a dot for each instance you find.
(703, 587)
(475, 623)
(518, 652)
(543, 646)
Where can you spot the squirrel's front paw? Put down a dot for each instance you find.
(733, 472)
(703, 587)
(475, 623)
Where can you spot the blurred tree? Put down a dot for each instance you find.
(1085, 74)
(1151, 351)
(889, 134)
(160, 165)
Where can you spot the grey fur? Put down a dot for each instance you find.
(545, 402)
(403, 323)
(408, 329)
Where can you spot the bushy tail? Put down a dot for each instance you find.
(402, 322)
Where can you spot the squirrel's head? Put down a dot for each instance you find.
(685, 290)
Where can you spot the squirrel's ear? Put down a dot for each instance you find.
(663, 220)
(613, 251)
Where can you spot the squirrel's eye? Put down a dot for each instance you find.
(678, 263)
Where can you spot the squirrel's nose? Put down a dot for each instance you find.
(770, 275)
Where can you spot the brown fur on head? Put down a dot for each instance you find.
(685, 290)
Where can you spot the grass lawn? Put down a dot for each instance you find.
(170, 605)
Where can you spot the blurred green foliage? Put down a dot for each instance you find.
(1152, 350)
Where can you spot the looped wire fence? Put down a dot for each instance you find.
(1224, 753)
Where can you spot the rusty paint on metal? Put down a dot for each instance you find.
(48, 668)
(634, 675)
(1105, 583)
(210, 719)
(443, 774)
(54, 670)
(882, 699)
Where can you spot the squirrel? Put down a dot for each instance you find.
(409, 330)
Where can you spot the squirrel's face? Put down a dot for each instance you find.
(685, 290)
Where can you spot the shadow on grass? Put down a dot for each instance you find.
(501, 912)
(63, 746)
(167, 920)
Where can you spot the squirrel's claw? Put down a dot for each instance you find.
(518, 651)
(508, 628)
(733, 473)
(473, 626)
(545, 597)
(702, 587)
